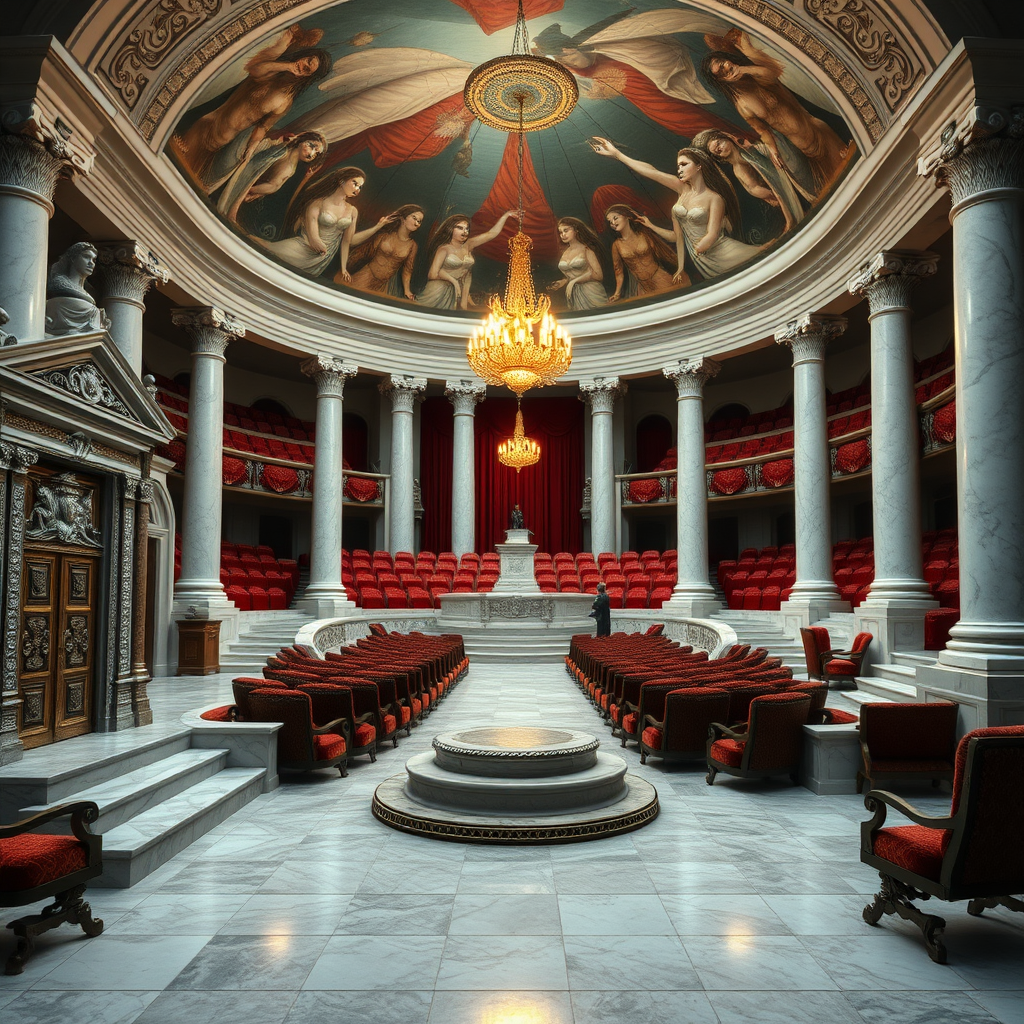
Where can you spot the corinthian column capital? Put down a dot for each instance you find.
(403, 390)
(889, 276)
(809, 334)
(127, 269)
(465, 395)
(210, 328)
(601, 392)
(329, 374)
(691, 375)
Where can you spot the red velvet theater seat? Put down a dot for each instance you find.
(683, 732)
(301, 745)
(974, 853)
(909, 742)
(35, 866)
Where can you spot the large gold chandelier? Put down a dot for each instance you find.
(518, 450)
(520, 344)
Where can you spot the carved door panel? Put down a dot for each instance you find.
(60, 585)
(36, 647)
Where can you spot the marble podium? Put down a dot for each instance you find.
(515, 784)
(517, 564)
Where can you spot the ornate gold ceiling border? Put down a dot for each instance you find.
(171, 21)
(871, 36)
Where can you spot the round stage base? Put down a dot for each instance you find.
(515, 785)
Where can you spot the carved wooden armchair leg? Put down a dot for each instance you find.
(895, 898)
(67, 906)
(710, 777)
(975, 907)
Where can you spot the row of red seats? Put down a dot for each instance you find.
(664, 697)
(351, 701)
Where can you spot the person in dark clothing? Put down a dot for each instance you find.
(602, 611)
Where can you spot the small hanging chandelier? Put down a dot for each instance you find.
(520, 344)
(518, 450)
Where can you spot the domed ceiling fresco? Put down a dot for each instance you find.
(342, 149)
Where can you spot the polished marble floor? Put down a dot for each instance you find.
(739, 903)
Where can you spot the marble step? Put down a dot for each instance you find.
(134, 792)
(257, 645)
(896, 673)
(915, 659)
(882, 688)
(137, 848)
(58, 771)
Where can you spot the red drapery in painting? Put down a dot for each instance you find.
(539, 222)
(611, 195)
(550, 493)
(653, 440)
(492, 15)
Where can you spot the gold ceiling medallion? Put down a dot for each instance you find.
(547, 91)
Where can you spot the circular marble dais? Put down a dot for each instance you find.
(515, 785)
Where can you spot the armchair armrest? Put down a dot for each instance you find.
(339, 725)
(877, 800)
(83, 813)
(717, 731)
(651, 720)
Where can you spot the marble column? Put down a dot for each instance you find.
(464, 396)
(29, 171)
(325, 597)
(693, 596)
(403, 390)
(600, 393)
(211, 331)
(15, 462)
(898, 599)
(982, 166)
(814, 594)
(125, 273)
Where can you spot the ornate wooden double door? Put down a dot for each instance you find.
(60, 588)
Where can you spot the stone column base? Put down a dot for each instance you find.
(986, 694)
(326, 606)
(11, 748)
(801, 612)
(895, 624)
(141, 710)
(690, 605)
(121, 714)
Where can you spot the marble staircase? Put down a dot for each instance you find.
(514, 644)
(759, 630)
(260, 635)
(156, 793)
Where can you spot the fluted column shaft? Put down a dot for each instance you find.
(464, 396)
(325, 584)
(403, 392)
(211, 331)
(126, 272)
(692, 581)
(887, 281)
(986, 182)
(29, 171)
(808, 337)
(601, 393)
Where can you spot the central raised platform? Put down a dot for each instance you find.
(515, 784)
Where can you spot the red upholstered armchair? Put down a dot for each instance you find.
(771, 745)
(826, 664)
(682, 733)
(34, 866)
(913, 742)
(301, 745)
(974, 853)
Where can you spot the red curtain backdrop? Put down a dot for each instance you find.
(550, 493)
(653, 440)
(436, 432)
(354, 440)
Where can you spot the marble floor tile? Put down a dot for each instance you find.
(799, 879)
(174, 1006)
(425, 877)
(507, 876)
(177, 914)
(525, 1007)
(39, 1007)
(287, 914)
(649, 1007)
(614, 914)
(722, 914)
(820, 914)
(919, 1008)
(511, 962)
(314, 878)
(377, 962)
(373, 1007)
(504, 914)
(111, 963)
(600, 963)
(396, 915)
(698, 877)
(252, 962)
(227, 877)
(597, 878)
(881, 961)
(1007, 1007)
(756, 962)
(768, 1007)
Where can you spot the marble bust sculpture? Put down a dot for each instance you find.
(70, 309)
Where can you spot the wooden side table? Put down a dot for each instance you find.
(198, 647)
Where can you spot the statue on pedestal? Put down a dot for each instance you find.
(70, 309)
(517, 518)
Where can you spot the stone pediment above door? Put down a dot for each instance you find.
(83, 384)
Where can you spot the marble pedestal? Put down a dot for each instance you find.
(517, 564)
(895, 624)
(800, 612)
(515, 784)
(988, 688)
